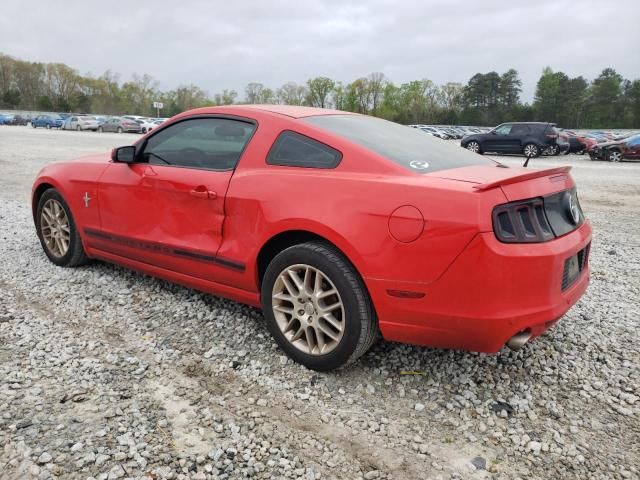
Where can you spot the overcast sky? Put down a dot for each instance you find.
(227, 44)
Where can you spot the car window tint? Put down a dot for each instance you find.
(519, 129)
(295, 150)
(405, 146)
(504, 129)
(208, 143)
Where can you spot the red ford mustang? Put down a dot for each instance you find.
(339, 226)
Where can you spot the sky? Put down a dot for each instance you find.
(222, 44)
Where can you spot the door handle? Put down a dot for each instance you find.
(202, 192)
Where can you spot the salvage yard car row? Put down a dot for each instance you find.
(83, 122)
(533, 139)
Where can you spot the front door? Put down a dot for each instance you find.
(498, 139)
(167, 208)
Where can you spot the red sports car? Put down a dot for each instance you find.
(339, 226)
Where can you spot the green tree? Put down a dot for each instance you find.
(318, 91)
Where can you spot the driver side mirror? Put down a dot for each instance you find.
(493, 132)
(124, 154)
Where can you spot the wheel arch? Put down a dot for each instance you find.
(38, 191)
(288, 238)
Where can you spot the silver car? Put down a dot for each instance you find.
(81, 122)
(119, 125)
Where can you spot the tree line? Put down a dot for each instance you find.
(608, 101)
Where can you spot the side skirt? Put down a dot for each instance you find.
(213, 288)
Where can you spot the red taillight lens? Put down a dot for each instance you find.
(522, 222)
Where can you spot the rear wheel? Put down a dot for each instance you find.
(119, 129)
(615, 156)
(57, 231)
(473, 146)
(317, 308)
(531, 150)
(553, 150)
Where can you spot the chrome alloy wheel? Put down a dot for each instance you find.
(308, 309)
(473, 147)
(615, 156)
(530, 151)
(55, 228)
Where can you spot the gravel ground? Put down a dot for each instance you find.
(107, 374)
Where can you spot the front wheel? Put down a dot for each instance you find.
(119, 129)
(473, 146)
(48, 126)
(317, 308)
(615, 156)
(78, 128)
(57, 231)
(100, 129)
(531, 150)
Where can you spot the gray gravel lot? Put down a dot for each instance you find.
(106, 373)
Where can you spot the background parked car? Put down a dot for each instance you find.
(18, 120)
(119, 125)
(47, 121)
(527, 138)
(618, 150)
(5, 119)
(80, 122)
(146, 124)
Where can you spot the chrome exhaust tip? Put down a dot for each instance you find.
(516, 342)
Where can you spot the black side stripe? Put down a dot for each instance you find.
(164, 249)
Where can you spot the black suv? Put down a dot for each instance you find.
(527, 138)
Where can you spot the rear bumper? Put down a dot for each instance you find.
(491, 292)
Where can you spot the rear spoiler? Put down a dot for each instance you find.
(559, 172)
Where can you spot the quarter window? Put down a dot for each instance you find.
(207, 143)
(294, 150)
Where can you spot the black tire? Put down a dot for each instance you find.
(100, 129)
(78, 128)
(119, 130)
(48, 126)
(75, 255)
(533, 148)
(33, 125)
(360, 323)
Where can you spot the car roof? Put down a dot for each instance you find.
(292, 111)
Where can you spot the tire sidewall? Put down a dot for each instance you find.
(349, 296)
(74, 238)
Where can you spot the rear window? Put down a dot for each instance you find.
(294, 150)
(406, 146)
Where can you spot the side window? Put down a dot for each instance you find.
(519, 129)
(634, 141)
(294, 150)
(207, 143)
(504, 129)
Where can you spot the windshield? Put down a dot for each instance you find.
(403, 145)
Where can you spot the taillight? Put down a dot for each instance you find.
(522, 222)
